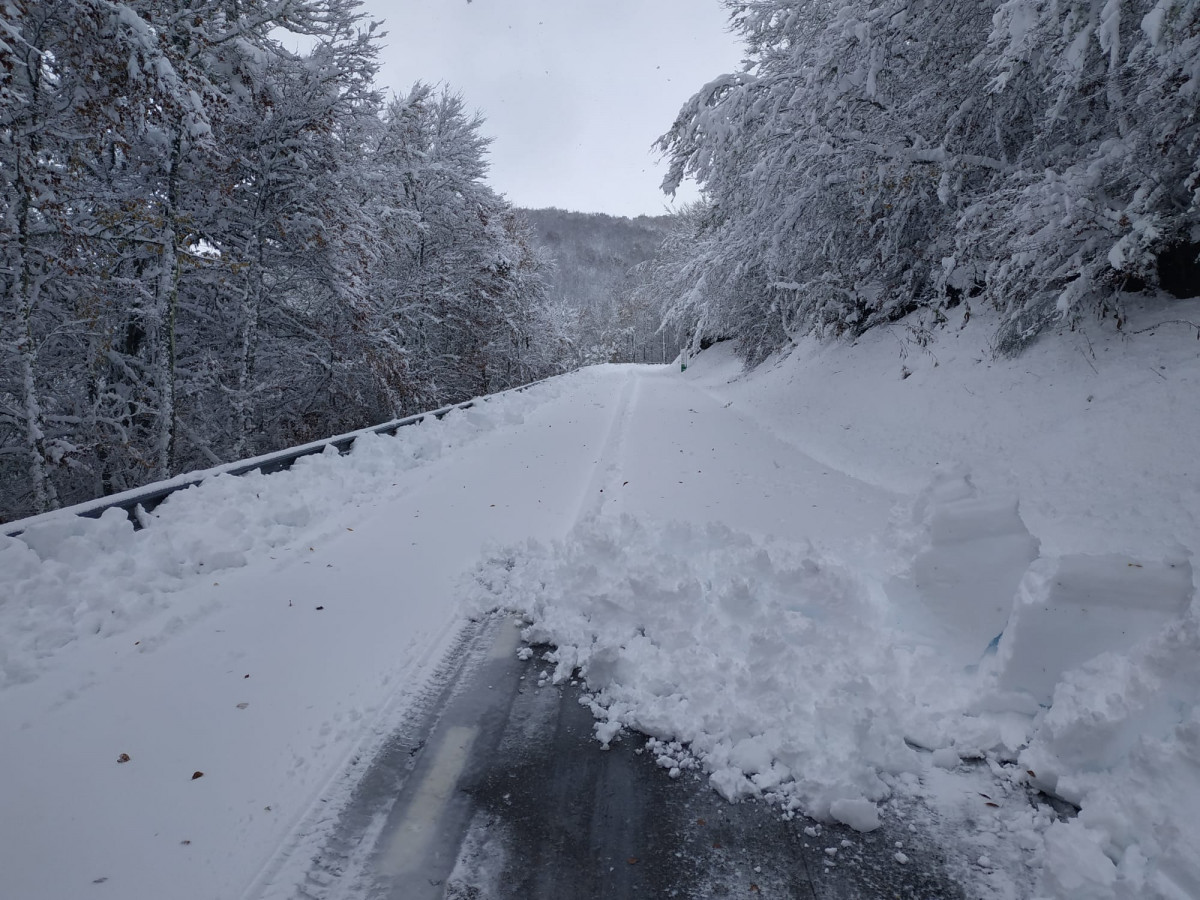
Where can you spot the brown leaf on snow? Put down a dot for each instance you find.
(242, 705)
(632, 860)
(196, 775)
(124, 758)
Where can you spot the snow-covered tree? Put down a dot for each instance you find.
(74, 77)
(878, 158)
(455, 277)
(215, 246)
(835, 165)
(1106, 184)
(286, 220)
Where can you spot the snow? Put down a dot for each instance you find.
(869, 599)
(977, 550)
(1070, 609)
(861, 815)
(945, 758)
(751, 651)
(138, 642)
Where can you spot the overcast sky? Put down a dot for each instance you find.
(574, 91)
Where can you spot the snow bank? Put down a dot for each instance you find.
(67, 577)
(1073, 608)
(1095, 431)
(975, 549)
(1122, 740)
(1094, 682)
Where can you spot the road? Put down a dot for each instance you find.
(496, 788)
(278, 635)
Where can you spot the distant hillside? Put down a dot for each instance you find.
(594, 256)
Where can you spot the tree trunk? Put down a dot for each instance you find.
(166, 311)
(25, 287)
(251, 306)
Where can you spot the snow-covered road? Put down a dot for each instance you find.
(267, 629)
(186, 708)
(679, 450)
(318, 597)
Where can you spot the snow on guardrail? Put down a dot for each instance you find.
(148, 496)
(70, 575)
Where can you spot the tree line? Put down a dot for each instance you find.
(214, 246)
(879, 158)
(598, 269)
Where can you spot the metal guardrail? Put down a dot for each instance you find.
(139, 501)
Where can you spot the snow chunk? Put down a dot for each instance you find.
(861, 815)
(1076, 867)
(606, 731)
(978, 549)
(731, 784)
(946, 758)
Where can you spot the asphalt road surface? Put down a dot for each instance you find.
(496, 788)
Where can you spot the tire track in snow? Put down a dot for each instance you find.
(452, 650)
(319, 828)
(591, 500)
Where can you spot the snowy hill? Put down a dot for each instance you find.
(869, 582)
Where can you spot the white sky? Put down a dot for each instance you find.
(574, 91)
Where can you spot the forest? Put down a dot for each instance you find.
(215, 246)
(1038, 160)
